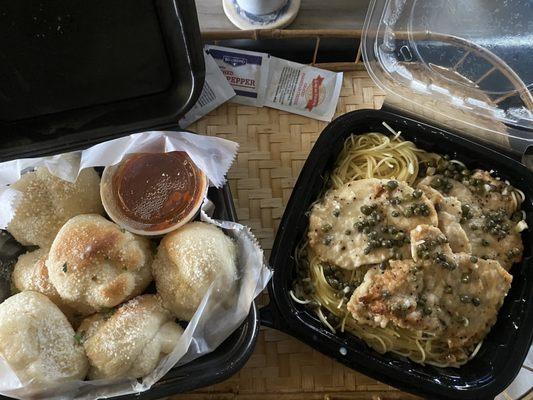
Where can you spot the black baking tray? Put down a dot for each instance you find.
(77, 72)
(504, 349)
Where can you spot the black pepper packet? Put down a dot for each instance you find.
(75, 73)
(506, 346)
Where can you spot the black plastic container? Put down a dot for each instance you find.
(209, 369)
(74, 73)
(507, 344)
(69, 78)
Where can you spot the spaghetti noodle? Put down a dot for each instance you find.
(326, 289)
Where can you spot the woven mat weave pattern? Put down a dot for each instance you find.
(273, 148)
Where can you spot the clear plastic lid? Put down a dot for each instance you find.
(466, 64)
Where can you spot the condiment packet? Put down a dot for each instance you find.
(246, 71)
(216, 91)
(301, 89)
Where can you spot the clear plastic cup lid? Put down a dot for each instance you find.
(467, 64)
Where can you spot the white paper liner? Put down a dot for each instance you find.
(216, 91)
(212, 155)
(214, 320)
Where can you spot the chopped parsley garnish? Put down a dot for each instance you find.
(78, 337)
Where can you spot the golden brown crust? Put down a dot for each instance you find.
(188, 261)
(96, 265)
(129, 341)
(30, 273)
(48, 202)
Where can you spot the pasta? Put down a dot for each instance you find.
(373, 155)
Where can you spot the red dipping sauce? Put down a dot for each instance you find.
(153, 193)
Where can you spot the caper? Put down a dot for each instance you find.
(333, 282)
(436, 183)
(464, 298)
(473, 259)
(427, 310)
(327, 240)
(326, 227)
(395, 213)
(366, 210)
(417, 193)
(516, 217)
(408, 213)
(485, 242)
(425, 255)
(367, 250)
(336, 212)
(387, 243)
(373, 235)
(476, 301)
(465, 209)
(448, 289)
(465, 278)
(513, 252)
(366, 230)
(383, 265)
(474, 227)
(348, 232)
(391, 185)
(399, 236)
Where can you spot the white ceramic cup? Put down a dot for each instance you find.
(261, 7)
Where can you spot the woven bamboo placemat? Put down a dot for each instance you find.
(273, 148)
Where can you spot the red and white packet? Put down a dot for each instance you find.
(301, 89)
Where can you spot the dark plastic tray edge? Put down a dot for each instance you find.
(276, 317)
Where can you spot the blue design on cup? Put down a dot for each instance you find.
(262, 19)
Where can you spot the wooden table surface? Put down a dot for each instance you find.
(341, 14)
